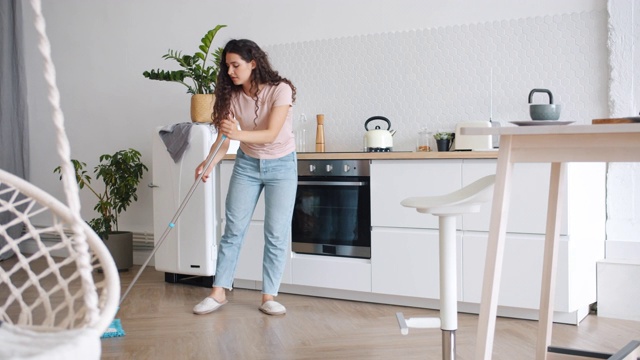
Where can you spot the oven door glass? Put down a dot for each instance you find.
(333, 217)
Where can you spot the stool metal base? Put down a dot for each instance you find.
(448, 336)
(448, 344)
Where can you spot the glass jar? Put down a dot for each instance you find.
(424, 140)
(301, 133)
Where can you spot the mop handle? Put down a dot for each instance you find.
(172, 224)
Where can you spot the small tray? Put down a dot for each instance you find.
(627, 120)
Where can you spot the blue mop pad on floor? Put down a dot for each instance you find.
(114, 330)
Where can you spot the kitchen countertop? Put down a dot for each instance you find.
(394, 155)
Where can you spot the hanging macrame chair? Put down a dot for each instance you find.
(60, 291)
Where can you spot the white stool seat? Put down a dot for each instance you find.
(463, 201)
(466, 200)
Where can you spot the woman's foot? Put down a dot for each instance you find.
(211, 303)
(207, 305)
(271, 307)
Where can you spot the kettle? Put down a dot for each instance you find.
(548, 111)
(378, 140)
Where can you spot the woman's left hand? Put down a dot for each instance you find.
(229, 127)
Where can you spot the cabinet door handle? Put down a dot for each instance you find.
(334, 183)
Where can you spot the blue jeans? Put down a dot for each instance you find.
(279, 179)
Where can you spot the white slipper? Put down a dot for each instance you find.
(207, 305)
(273, 308)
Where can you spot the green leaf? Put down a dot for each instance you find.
(195, 67)
(121, 173)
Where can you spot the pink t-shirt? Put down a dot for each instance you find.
(244, 108)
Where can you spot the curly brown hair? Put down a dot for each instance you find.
(262, 74)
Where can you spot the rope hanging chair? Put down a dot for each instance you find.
(60, 291)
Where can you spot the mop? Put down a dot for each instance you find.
(115, 328)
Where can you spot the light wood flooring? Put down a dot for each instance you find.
(159, 324)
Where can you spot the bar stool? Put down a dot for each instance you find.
(446, 208)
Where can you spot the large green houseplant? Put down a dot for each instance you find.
(202, 68)
(121, 173)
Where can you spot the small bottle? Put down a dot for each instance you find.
(320, 133)
(301, 134)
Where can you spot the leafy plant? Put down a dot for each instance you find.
(442, 135)
(195, 66)
(121, 174)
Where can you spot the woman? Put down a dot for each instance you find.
(253, 105)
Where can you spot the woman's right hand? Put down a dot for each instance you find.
(199, 170)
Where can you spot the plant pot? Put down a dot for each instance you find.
(202, 108)
(443, 144)
(120, 245)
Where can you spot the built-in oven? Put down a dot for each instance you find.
(332, 213)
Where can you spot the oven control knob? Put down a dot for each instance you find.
(329, 168)
(346, 168)
(312, 168)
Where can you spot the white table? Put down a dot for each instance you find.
(556, 145)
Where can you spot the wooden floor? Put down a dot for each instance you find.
(159, 324)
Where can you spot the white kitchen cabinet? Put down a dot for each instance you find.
(521, 272)
(405, 262)
(528, 208)
(584, 202)
(250, 261)
(396, 244)
(331, 272)
(394, 180)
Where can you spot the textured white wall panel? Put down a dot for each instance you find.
(437, 77)
(623, 180)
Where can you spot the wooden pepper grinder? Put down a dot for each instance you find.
(320, 133)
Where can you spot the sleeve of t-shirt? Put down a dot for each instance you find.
(283, 95)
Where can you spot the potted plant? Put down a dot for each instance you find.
(444, 140)
(203, 74)
(120, 173)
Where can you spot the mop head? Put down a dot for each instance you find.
(114, 330)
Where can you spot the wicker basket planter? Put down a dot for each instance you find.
(202, 107)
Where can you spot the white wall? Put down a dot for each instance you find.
(623, 179)
(101, 48)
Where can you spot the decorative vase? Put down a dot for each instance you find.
(443, 144)
(202, 108)
(120, 245)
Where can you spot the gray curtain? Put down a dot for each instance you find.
(14, 130)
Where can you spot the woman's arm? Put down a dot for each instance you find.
(277, 117)
(223, 150)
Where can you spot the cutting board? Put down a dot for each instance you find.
(625, 120)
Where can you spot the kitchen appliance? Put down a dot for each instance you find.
(378, 140)
(472, 142)
(549, 111)
(332, 211)
(191, 247)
